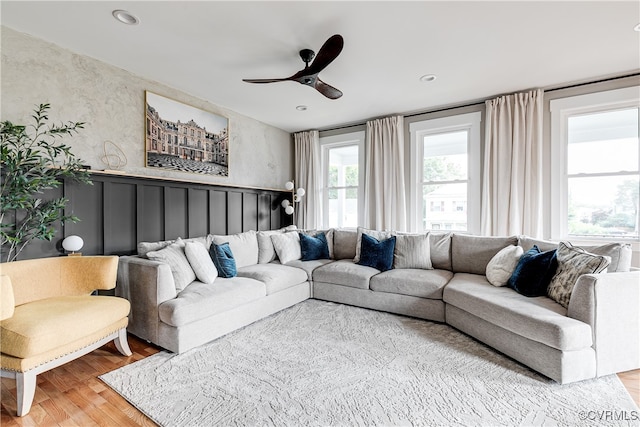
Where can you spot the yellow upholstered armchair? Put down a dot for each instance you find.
(49, 316)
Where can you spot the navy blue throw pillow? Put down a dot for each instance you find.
(377, 254)
(314, 247)
(534, 272)
(223, 259)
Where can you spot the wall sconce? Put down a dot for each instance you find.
(296, 196)
(72, 244)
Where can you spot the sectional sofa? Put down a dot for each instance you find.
(598, 333)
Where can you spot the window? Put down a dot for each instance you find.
(596, 165)
(342, 183)
(446, 173)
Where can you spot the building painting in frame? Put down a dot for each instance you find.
(182, 138)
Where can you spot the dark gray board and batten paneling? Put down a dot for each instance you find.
(118, 211)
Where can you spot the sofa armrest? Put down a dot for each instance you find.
(146, 284)
(609, 303)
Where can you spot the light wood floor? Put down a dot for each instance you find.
(72, 394)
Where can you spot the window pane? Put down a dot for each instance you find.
(603, 206)
(603, 142)
(343, 209)
(444, 207)
(343, 166)
(445, 156)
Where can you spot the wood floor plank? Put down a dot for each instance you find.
(73, 395)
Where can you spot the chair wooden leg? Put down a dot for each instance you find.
(122, 344)
(25, 391)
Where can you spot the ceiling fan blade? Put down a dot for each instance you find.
(327, 90)
(327, 53)
(265, 80)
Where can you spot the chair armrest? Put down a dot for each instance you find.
(609, 303)
(146, 284)
(7, 301)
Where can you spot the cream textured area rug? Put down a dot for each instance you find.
(325, 364)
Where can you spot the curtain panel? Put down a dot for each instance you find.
(512, 178)
(308, 176)
(384, 197)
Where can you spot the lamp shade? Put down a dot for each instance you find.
(72, 243)
(300, 192)
(285, 203)
(289, 210)
(289, 185)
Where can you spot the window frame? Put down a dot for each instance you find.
(327, 143)
(561, 109)
(469, 122)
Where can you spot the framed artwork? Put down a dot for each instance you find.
(183, 138)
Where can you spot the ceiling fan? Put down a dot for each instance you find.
(309, 75)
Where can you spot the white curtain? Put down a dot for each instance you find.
(384, 201)
(308, 176)
(512, 182)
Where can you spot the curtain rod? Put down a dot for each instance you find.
(482, 102)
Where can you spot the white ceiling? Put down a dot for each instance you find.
(477, 49)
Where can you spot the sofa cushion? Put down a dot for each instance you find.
(412, 251)
(440, 250)
(344, 243)
(501, 266)
(529, 242)
(275, 276)
(620, 254)
(471, 254)
(174, 256)
(345, 272)
(287, 246)
(41, 326)
(243, 245)
(533, 272)
(573, 262)
(309, 266)
(540, 319)
(377, 253)
(411, 281)
(201, 262)
(223, 259)
(314, 247)
(201, 300)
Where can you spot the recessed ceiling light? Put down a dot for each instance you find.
(428, 78)
(637, 28)
(301, 108)
(125, 17)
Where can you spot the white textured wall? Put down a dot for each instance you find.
(111, 101)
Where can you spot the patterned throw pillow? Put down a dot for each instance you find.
(502, 264)
(572, 263)
(377, 254)
(174, 255)
(223, 259)
(313, 247)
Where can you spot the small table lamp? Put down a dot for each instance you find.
(72, 244)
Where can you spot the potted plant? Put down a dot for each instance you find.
(33, 160)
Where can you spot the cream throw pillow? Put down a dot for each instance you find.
(174, 256)
(201, 262)
(287, 246)
(243, 245)
(412, 251)
(501, 266)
